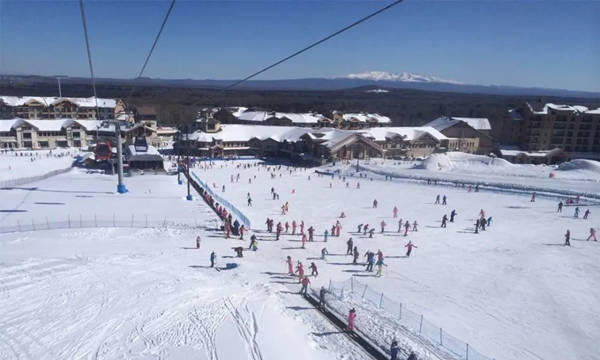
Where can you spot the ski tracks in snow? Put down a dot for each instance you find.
(247, 327)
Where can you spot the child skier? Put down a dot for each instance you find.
(409, 247)
(304, 241)
(305, 282)
(382, 226)
(380, 265)
(313, 269)
(213, 259)
(198, 242)
(568, 238)
(349, 244)
(444, 220)
(592, 235)
(324, 253)
(351, 319)
(290, 264)
(355, 252)
(406, 227)
(325, 235)
(452, 215)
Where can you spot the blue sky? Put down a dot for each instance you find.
(522, 43)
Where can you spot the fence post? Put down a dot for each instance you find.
(114, 224)
(95, 221)
(19, 225)
(467, 355)
(400, 312)
(80, 221)
(364, 292)
(47, 223)
(32, 225)
(381, 301)
(441, 342)
(69, 220)
(421, 324)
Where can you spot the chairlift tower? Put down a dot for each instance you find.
(121, 189)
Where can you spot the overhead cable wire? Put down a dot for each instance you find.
(357, 22)
(162, 26)
(89, 53)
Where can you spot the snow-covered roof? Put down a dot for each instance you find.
(568, 108)
(260, 116)
(366, 118)
(50, 124)
(52, 100)
(514, 151)
(444, 122)
(8, 125)
(242, 133)
(408, 133)
(593, 112)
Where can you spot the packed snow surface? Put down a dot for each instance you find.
(512, 291)
(20, 164)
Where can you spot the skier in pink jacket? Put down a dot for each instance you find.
(351, 318)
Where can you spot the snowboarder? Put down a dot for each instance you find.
(351, 319)
(444, 200)
(349, 244)
(213, 259)
(592, 235)
(444, 220)
(568, 238)
(313, 269)
(305, 282)
(452, 215)
(409, 248)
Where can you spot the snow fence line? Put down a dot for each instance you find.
(382, 319)
(87, 221)
(483, 185)
(232, 208)
(26, 180)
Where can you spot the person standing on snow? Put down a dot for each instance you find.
(576, 214)
(415, 224)
(375, 204)
(290, 264)
(349, 245)
(382, 226)
(302, 227)
(351, 319)
(213, 259)
(437, 200)
(287, 227)
(324, 253)
(371, 232)
(365, 229)
(394, 350)
(477, 226)
(568, 238)
(198, 242)
(360, 228)
(304, 241)
(325, 235)
(586, 214)
(409, 247)
(279, 229)
(338, 228)
(592, 235)
(294, 227)
(395, 212)
(322, 293)
(489, 221)
(355, 253)
(305, 282)
(400, 225)
(252, 245)
(311, 232)
(300, 271)
(560, 206)
(532, 197)
(313, 269)
(380, 265)
(482, 223)
(444, 200)
(370, 260)
(444, 220)
(242, 230)
(406, 227)
(452, 215)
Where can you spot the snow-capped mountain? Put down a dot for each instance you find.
(403, 77)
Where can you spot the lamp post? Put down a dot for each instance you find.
(187, 142)
(179, 181)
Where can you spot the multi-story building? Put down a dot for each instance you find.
(39, 107)
(571, 128)
(470, 135)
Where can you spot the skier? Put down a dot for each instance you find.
(294, 227)
(437, 200)
(349, 249)
(415, 224)
(444, 220)
(365, 229)
(592, 235)
(532, 197)
(300, 270)
(213, 259)
(371, 232)
(249, 201)
(338, 228)
(322, 293)
(400, 225)
(324, 252)
(242, 230)
(302, 227)
(452, 215)
(279, 229)
(370, 260)
(409, 247)
(290, 264)
(560, 206)
(406, 227)
(198, 242)
(360, 228)
(313, 269)
(477, 226)
(305, 282)
(375, 204)
(586, 213)
(576, 215)
(311, 231)
(394, 350)
(412, 356)
(482, 223)
(395, 212)
(325, 235)
(351, 318)
(568, 238)
(252, 245)
(355, 255)
(489, 221)
(380, 265)
(304, 241)
(444, 200)
(382, 226)
(287, 227)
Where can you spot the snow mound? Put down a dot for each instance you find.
(462, 161)
(580, 164)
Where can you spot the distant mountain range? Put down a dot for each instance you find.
(372, 79)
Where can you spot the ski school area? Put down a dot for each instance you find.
(130, 275)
